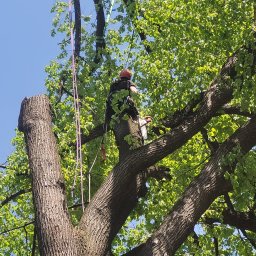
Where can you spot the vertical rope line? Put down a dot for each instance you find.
(89, 187)
(90, 169)
(79, 158)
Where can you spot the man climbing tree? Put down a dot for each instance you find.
(119, 101)
(122, 114)
(204, 123)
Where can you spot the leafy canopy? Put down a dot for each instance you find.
(189, 42)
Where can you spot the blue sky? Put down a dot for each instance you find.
(26, 48)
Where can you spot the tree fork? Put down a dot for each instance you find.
(112, 204)
(199, 195)
(35, 122)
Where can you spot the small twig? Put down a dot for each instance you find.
(33, 253)
(198, 165)
(213, 145)
(216, 245)
(75, 206)
(252, 241)
(228, 202)
(254, 18)
(131, 8)
(12, 229)
(12, 197)
(254, 203)
(26, 236)
(196, 239)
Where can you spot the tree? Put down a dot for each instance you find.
(195, 63)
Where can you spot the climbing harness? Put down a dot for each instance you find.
(79, 158)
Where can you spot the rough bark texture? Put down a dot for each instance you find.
(242, 220)
(53, 224)
(128, 137)
(198, 196)
(119, 193)
(112, 203)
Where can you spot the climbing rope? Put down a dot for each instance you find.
(79, 158)
(102, 146)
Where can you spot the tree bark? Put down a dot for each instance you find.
(198, 196)
(54, 229)
(242, 220)
(112, 204)
(118, 195)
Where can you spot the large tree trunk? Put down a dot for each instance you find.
(54, 228)
(119, 193)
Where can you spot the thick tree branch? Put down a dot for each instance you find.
(111, 204)
(227, 72)
(77, 9)
(51, 214)
(111, 191)
(252, 241)
(179, 116)
(232, 110)
(100, 40)
(198, 196)
(111, 197)
(94, 133)
(174, 120)
(241, 220)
